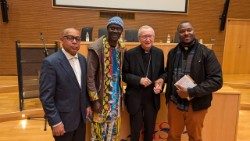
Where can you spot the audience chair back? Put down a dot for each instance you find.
(131, 35)
(102, 31)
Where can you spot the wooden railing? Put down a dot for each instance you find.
(164, 46)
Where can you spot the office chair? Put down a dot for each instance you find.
(102, 31)
(176, 38)
(131, 35)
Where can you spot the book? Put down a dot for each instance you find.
(186, 81)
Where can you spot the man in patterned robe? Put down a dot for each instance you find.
(104, 82)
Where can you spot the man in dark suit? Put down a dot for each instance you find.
(63, 90)
(141, 67)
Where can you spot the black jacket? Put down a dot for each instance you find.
(133, 71)
(205, 71)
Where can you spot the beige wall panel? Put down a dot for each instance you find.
(236, 51)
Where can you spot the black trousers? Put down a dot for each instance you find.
(76, 135)
(144, 119)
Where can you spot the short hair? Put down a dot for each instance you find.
(182, 22)
(145, 27)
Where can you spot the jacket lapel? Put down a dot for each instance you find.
(139, 59)
(67, 67)
(83, 70)
(153, 60)
(197, 56)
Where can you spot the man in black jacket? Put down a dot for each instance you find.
(142, 66)
(187, 106)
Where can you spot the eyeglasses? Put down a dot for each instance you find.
(72, 38)
(144, 37)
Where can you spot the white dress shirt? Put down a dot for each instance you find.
(75, 64)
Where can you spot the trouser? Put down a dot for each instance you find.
(105, 131)
(146, 118)
(177, 119)
(76, 135)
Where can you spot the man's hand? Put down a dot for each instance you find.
(157, 89)
(182, 92)
(145, 81)
(58, 130)
(158, 86)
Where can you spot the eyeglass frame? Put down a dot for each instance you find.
(72, 38)
(145, 37)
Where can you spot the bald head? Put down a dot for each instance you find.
(66, 31)
(70, 40)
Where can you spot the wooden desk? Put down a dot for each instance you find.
(164, 46)
(222, 118)
(220, 122)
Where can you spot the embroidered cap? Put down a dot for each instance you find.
(115, 20)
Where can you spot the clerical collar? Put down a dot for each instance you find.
(187, 47)
(144, 51)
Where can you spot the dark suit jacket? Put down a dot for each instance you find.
(133, 70)
(62, 98)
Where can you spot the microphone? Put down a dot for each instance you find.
(46, 53)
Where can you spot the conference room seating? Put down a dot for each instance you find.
(102, 31)
(176, 38)
(131, 35)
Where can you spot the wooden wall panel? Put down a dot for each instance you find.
(236, 52)
(30, 17)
